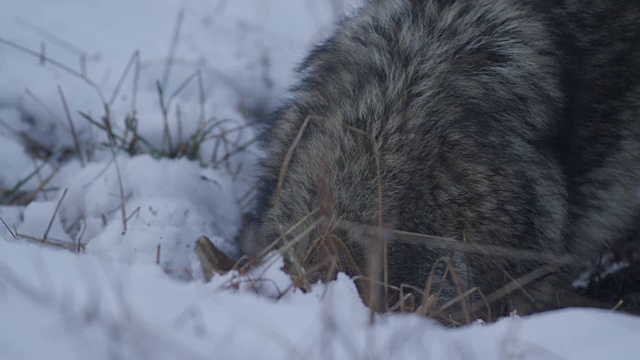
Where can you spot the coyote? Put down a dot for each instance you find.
(481, 147)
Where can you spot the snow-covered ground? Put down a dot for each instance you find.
(137, 292)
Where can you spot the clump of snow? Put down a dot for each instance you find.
(135, 290)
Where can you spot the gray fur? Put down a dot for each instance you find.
(498, 122)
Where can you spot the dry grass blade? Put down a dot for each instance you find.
(382, 239)
(438, 242)
(400, 305)
(462, 299)
(79, 244)
(134, 90)
(39, 175)
(285, 163)
(179, 121)
(42, 184)
(8, 228)
(112, 135)
(201, 98)
(76, 142)
(112, 144)
(234, 129)
(275, 243)
(181, 87)
(133, 213)
(459, 299)
(617, 305)
(57, 64)
(62, 43)
(12, 195)
(43, 53)
(287, 248)
(55, 212)
(175, 37)
(56, 243)
(341, 248)
(166, 138)
(122, 197)
(288, 245)
(133, 60)
(429, 300)
(239, 149)
(520, 282)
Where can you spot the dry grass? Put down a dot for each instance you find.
(121, 136)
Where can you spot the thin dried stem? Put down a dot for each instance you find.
(8, 228)
(438, 242)
(175, 37)
(135, 58)
(383, 240)
(55, 212)
(285, 163)
(57, 64)
(76, 142)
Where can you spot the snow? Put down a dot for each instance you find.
(138, 292)
(54, 302)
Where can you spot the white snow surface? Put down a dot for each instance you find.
(138, 293)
